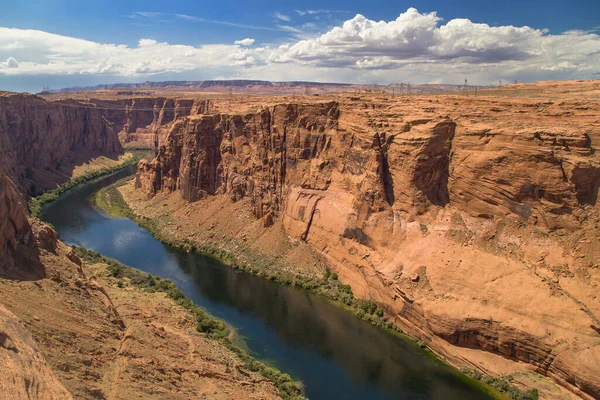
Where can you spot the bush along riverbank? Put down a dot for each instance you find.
(36, 203)
(213, 328)
(328, 286)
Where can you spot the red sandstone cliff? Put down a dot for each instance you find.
(471, 222)
(41, 139)
(65, 331)
(38, 139)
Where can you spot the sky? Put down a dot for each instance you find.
(64, 43)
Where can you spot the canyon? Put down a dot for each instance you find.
(66, 329)
(471, 221)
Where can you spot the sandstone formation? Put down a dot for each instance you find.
(14, 226)
(471, 221)
(42, 140)
(26, 374)
(76, 333)
(67, 330)
(37, 138)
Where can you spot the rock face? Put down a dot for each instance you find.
(38, 137)
(26, 372)
(41, 139)
(469, 221)
(241, 156)
(61, 334)
(14, 226)
(146, 121)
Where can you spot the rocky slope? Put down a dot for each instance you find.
(67, 330)
(14, 226)
(471, 221)
(76, 333)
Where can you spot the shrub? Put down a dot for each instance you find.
(213, 328)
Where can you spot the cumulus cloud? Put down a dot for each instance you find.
(9, 63)
(416, 38)
(416, 47)
(44, 53)
(245, 42)
(146, 42)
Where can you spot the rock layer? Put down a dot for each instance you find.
(15, 230)
(470, 221)
(61, 333)
(41, 140)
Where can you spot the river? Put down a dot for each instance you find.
(335, 354)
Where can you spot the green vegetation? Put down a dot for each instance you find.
(503, 385)
(36, 203)
(212, 327)
(110, 199)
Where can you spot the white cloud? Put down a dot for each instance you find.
(245, 42)
(315, 12)
(192, 18)
(415, 38)
(416, 47)
(281, 16)
(289, 28)
(9, 63)
(42, 53)
(145, 14)
(146, 42)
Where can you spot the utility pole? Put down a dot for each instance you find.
(466, 88)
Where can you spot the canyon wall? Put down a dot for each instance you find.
(471, 222)
(14, 226)
(66, 331)
(41, 140)
(145, 121)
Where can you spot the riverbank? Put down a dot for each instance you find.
(72, 330)
(123, 278)
(169, 230)
(117, 282)
(85, 173)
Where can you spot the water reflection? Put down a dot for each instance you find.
(334, 353)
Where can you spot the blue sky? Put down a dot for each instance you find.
(440, 41)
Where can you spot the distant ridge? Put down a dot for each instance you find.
(239, 83)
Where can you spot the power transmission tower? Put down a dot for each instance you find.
(408, 88)
(307, 90)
